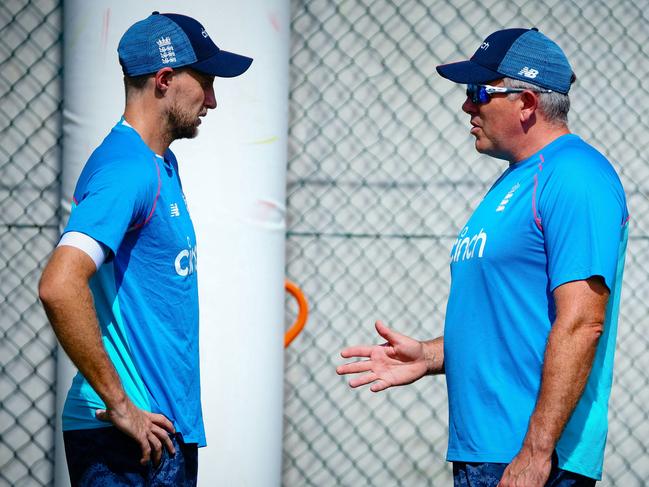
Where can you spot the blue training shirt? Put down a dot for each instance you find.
(145, 294)
(556, 217)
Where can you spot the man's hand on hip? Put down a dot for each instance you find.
(527, 470)
(150, 430)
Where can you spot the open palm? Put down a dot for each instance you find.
(399, 361)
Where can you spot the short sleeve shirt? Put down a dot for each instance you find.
(131, 200)
(556, 217)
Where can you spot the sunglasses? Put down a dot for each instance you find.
(479, 94)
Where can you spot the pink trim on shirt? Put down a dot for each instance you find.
(155, 201)
(537, 218)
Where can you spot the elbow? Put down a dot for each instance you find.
(52, 289)
(48, 290)
(598, 329)
(64, 279)
(585, 330)
(594, 330)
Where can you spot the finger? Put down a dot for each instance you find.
(390, 335)
(146, 451)
(162, 421)
(503, 479)
(156, 449)
(165, 438)
(102, 415)
(354, 367)
(357, 351)
(363, 380)
(379, 385)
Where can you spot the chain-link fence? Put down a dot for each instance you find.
(30, 97)
(383, 174)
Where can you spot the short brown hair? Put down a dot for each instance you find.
(135, 82)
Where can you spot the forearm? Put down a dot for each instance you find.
(567, 363)
(69, 307)
(434, 355)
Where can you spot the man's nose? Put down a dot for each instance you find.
(469, 107)
(210, 98)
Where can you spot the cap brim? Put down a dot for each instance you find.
(466, 72)
(223, 64)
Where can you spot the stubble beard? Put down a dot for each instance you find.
(181, 125)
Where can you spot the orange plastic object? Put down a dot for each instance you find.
(302, 313)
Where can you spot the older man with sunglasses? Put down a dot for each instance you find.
(536, 273)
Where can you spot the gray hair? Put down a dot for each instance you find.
(555, 105)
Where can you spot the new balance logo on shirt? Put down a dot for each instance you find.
(174, 209)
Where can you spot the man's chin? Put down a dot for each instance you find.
(186, 133)
(480, 147)
(491, 152)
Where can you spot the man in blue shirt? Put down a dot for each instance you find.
(120, 289)
(536, 272)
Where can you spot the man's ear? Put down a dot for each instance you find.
(529, 104)
(163, 79)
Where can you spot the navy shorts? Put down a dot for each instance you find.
(489, 474)
(106, 456)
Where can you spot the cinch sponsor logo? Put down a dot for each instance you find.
(185, 262)
(465, 246)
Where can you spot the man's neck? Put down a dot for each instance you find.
(533, 142)
(149, 124)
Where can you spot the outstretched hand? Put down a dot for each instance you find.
(401, 360)
(149, 430)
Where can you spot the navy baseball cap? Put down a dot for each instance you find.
(174, 40)
(523, 54)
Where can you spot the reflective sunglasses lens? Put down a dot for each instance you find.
(470, 92)
(477, 94)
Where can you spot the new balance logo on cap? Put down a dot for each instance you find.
(528, 72)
